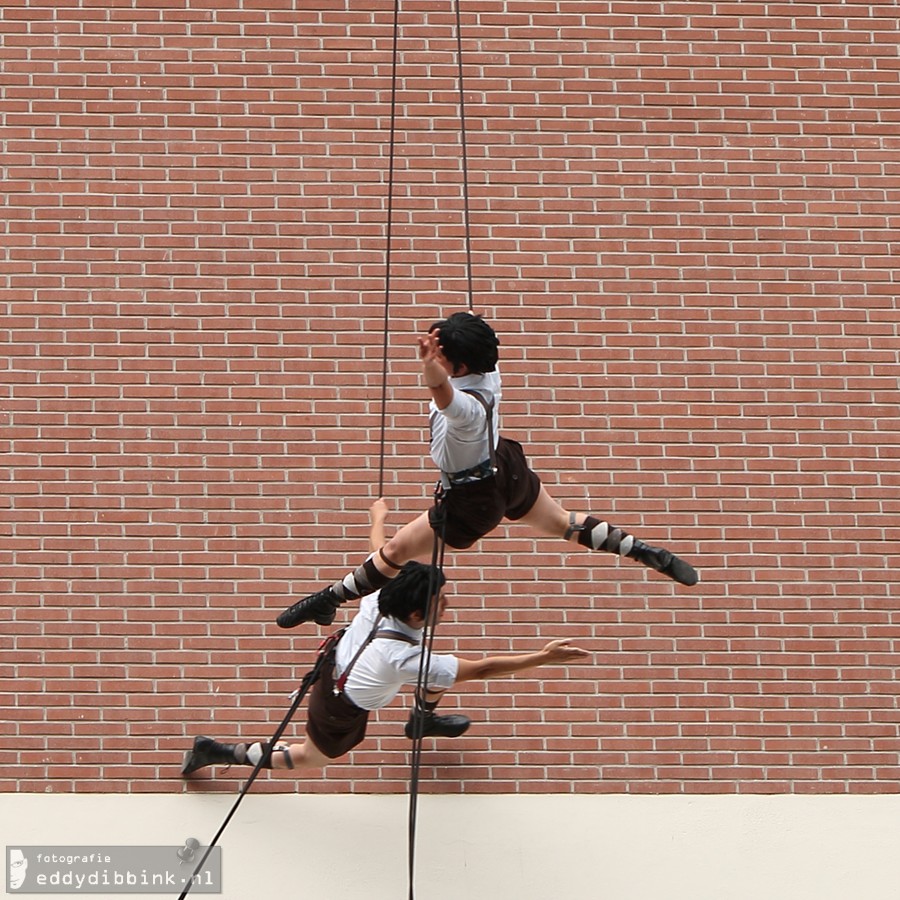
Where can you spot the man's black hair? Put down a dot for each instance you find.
(468, 341)
(410, 591)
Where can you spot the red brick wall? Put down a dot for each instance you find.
(684, 225)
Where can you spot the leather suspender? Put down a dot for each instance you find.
(395, 636)
(489, 420)
(376, 632)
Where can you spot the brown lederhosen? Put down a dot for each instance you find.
(477, 508)
(334, 724)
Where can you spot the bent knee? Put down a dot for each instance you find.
(409, 542)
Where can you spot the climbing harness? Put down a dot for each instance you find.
(486, 468)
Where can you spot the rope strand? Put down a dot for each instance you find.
(439, 545)
(392, 142)
(431, 619)
(463, 142)
(308, 681)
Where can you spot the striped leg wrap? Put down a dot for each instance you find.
(365, 580)
(597, 535)
(255, 753)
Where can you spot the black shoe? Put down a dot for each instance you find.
(207, 752)
(319, 608)
(437, 726)
(664, 561)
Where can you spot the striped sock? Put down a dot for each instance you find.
(255, 753)
(367, 579)
(597, 535)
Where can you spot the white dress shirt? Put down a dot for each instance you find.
(459, 437)
(386, 665)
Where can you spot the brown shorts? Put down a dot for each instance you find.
(476, 509)
(334, 724)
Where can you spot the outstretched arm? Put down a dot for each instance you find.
(554, 653)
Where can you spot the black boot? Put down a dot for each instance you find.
(664, 561)
(207, 752)
(319, 608)
(437, 726)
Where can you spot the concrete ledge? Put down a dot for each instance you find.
(531, 847)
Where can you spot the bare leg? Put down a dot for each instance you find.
(303, 756)
(548, 517)
(551, 520)
(413, 540)
(416, 538)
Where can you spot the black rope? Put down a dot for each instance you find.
(392, 142)
(439, 546)
(438, 551)
(389, 228)
(308, 681)
(431, 618)
(465, 159)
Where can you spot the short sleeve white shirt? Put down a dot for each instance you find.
(386, 665)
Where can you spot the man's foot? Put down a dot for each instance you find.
(207, 752)
(319, 608)
(664, 561)
(437, 726)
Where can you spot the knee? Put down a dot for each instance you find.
(394, 547)
(409, 542)
(301, 756)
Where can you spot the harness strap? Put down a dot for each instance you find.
(339, 684)
(489, 422)
(376, 632)
(395, 636)
(388, 562)
(572, 527)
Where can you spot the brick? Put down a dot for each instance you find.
(691, 269)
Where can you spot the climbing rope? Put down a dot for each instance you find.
(439, 545)
(389, 226)
(432, 613)
(392, 148)
(464, 152)
(264, 762)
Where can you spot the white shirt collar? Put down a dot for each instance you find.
(390, 623)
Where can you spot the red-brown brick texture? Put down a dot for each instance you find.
(684, 221)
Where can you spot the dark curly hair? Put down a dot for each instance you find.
(469, 341)
(410, 591)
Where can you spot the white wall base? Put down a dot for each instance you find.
(527, 847)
